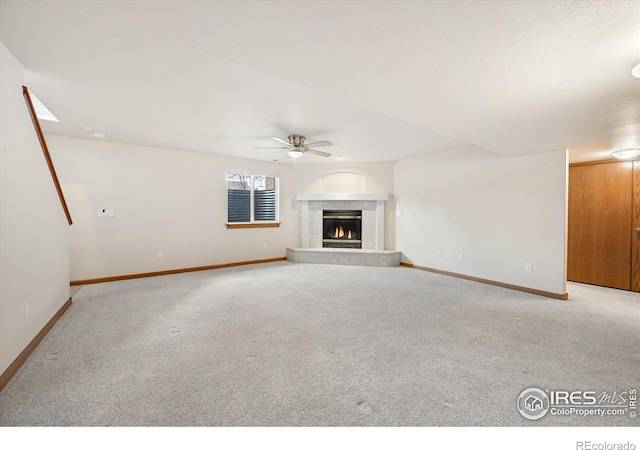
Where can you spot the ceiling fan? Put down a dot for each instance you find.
(297, 147)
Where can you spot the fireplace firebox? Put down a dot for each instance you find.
(342, 229)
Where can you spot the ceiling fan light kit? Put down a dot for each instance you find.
(297, 148)
(295, 153)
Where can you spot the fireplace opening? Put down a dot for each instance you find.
(342, 229)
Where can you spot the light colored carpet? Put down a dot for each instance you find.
(285, 344)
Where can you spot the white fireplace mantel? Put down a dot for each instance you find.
(373, 217)
(344, 197)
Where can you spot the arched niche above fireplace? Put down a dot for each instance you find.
(343, 181)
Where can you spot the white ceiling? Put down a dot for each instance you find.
(383, 80)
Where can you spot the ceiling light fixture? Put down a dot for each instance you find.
(295, 153)
(627, 153)
(636, 71)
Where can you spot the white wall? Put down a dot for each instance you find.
(331, 179)
(34, 233)
(374, 178)
(163, 200)
(500, 213)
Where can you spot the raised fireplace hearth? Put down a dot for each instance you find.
(342, 228)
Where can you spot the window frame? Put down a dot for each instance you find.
(254, 223)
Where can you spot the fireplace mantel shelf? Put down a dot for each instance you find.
(369, 197)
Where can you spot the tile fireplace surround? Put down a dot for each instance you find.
(373, 215)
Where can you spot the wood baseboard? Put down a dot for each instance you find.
(514, 287)
(173, 271)
(22, 357)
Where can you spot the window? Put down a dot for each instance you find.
(252, 198)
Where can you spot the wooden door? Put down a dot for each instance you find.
(600, 224)
(635, 235)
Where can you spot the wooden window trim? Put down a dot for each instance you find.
(254, 225)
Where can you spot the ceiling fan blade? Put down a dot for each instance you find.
(317, 152)
(280, 140)
(319, 144)
(277, 148)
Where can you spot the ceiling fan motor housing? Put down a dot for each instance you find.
(296, 146)
(296, 140)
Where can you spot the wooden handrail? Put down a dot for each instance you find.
(45, 150)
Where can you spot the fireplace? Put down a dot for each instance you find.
(342, 228)
(372, 206)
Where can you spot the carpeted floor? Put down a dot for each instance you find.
(285, 344)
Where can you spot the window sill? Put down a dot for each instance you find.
(254, 225)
